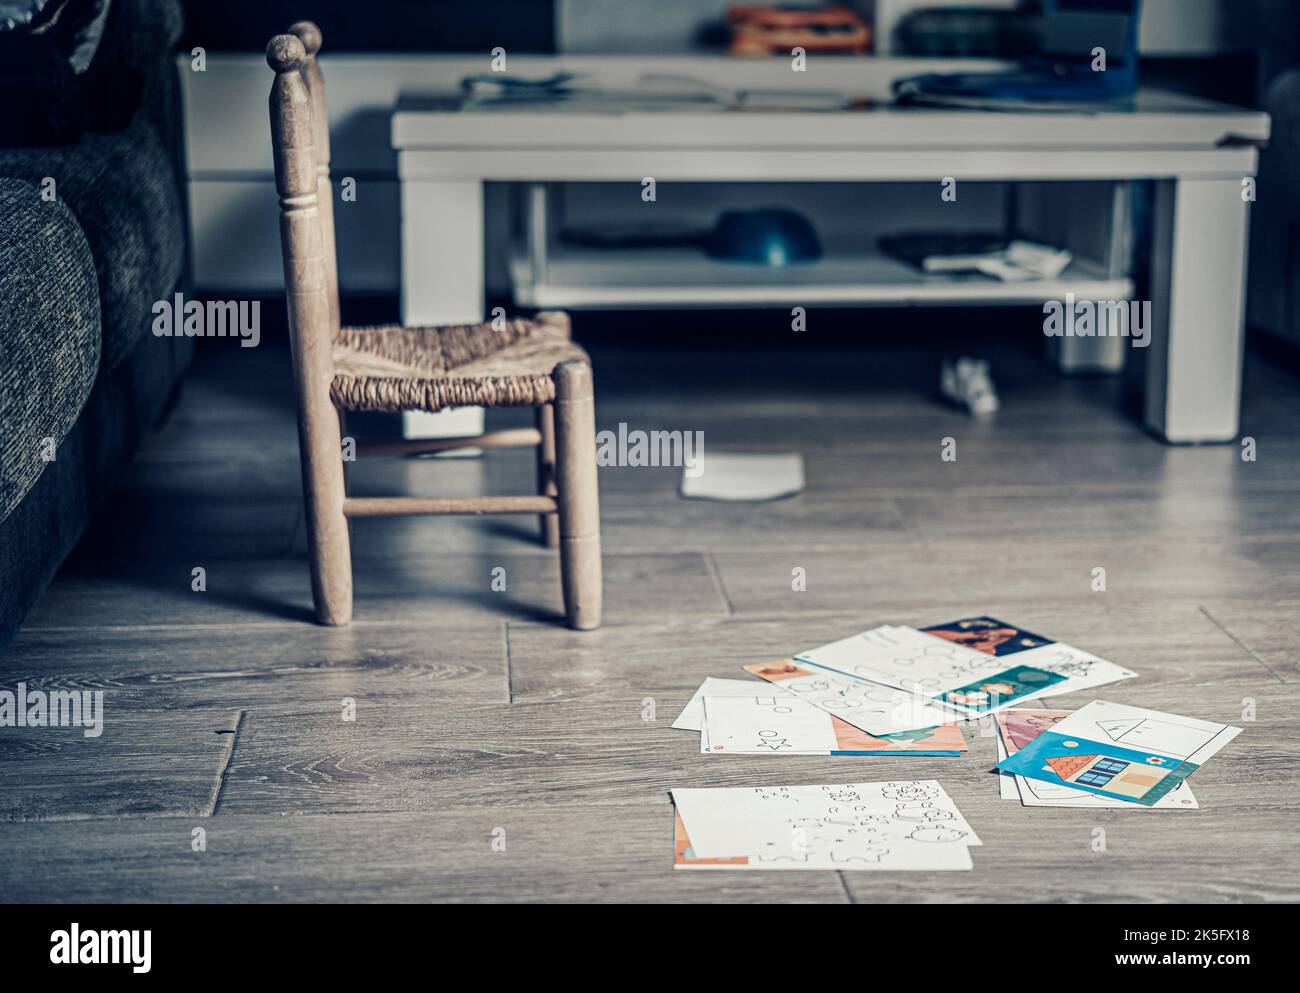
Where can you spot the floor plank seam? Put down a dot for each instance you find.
(913, 529)
(1241, 644)
(844, 884)
(510, 680)
(716, 575)
(1119, 488)
(279, 816)
(219, 786)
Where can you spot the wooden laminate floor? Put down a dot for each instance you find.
(481, 719)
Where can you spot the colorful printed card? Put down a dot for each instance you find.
(1017, 728)
(876, 709)
(971, 682)
(887, 825)
(1082, 670)
(783, 724)
(1129, 753)
(838, 857)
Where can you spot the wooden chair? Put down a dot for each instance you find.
(337, 369)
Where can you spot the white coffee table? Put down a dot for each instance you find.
(1199, 154)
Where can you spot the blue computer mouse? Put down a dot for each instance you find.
(769, 236)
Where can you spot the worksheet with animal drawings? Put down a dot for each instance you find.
(871, 707)
(971, 682)
(900, 821)
(838, 850)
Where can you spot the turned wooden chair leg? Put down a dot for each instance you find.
(546, 472)
(579, 502)
(328, 542)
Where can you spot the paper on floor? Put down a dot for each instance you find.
(766, 725)
(1130, 753)
(781, 724)
(900, 822)
(975, 666)
(692, 716)
(1017, 728)
(735, 476)
(822, 856)
(1082, 670)
(874, 708)
(963, 679)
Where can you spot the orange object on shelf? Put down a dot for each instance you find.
(761, 29)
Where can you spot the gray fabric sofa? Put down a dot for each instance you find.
(82, 379)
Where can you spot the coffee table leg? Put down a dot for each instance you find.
(1198, 278)
(442, 279)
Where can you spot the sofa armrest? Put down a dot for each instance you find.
(49, 333)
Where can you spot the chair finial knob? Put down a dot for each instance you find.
(285, 53)
(309, 34)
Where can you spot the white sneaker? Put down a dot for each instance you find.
(966, 382)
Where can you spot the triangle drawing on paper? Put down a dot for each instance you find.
(1115, 730)
(1147, 732)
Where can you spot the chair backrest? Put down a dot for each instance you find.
(309, 34)
(312, 326)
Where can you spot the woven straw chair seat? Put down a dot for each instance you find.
(393, 368)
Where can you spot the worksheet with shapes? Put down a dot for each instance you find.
(870, 707)
(766, 725)
(692, 716)
(1185, 738)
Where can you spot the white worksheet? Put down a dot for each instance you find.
(1171, 735)
(928, 665)
(1082, 670)
(871, 707)
(908, 659)
(842, 849)
(905, 820)
(736, 476)
(692, 716)
(766, 724)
